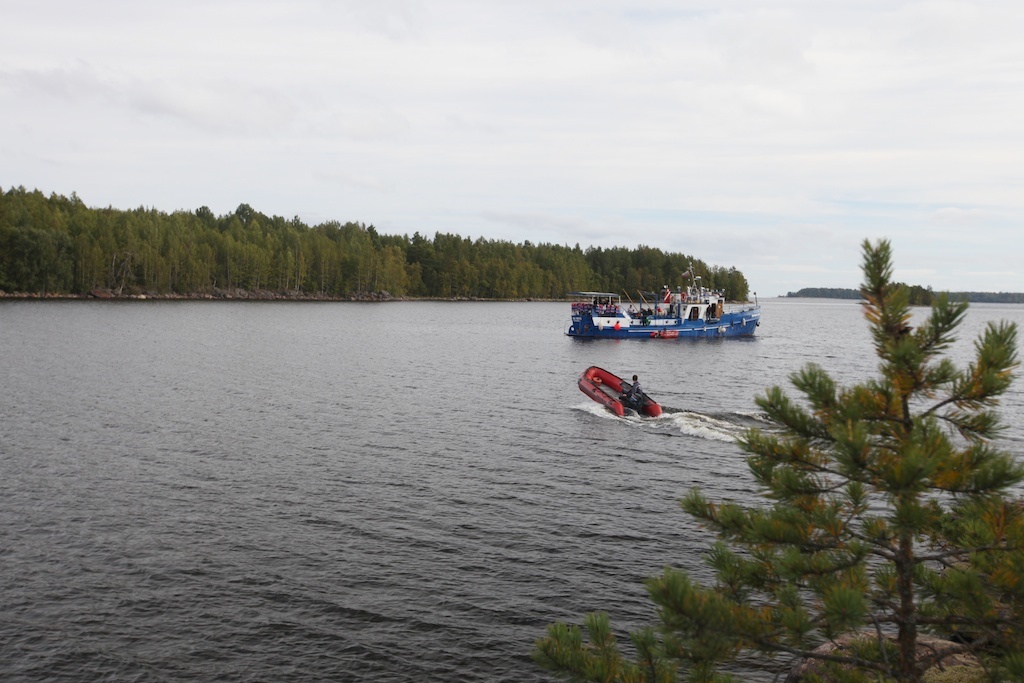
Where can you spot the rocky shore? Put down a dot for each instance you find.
(236, 295)
(213, 295)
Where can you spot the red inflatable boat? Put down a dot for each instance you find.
(607, 389)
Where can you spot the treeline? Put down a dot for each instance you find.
(989, 297)
(58, 245)
(919, 296)
(827, 293)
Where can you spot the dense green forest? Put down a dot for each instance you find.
(58, 245)
(827, 293)
(919, 296)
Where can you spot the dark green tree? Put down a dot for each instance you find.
(888, 514)
(58, 245)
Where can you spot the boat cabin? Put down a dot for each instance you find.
(667, 307)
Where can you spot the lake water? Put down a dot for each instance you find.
(408, 491)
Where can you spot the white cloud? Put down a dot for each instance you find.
(772, 138)
(961, 218)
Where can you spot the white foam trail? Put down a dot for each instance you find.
(703, 426)
(597, 409)
(687, 423)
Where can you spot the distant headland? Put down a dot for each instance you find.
(919, 296)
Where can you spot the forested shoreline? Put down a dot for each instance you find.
(919, 296)
(56, 246)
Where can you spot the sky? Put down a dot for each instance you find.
(773, 137)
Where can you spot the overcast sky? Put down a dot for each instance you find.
(773, 137)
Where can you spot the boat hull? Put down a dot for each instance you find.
(606, 388)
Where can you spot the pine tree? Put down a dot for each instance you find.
(889, 518)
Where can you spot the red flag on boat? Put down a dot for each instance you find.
(686, 274)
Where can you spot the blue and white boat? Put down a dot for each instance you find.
(694, 313)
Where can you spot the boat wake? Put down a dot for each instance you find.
(714, 427)
(678, 422)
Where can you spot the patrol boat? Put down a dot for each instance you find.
(695, 312)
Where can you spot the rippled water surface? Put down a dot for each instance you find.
(390, 492)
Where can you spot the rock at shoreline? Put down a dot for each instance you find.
(947, 653)
(214, 295)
